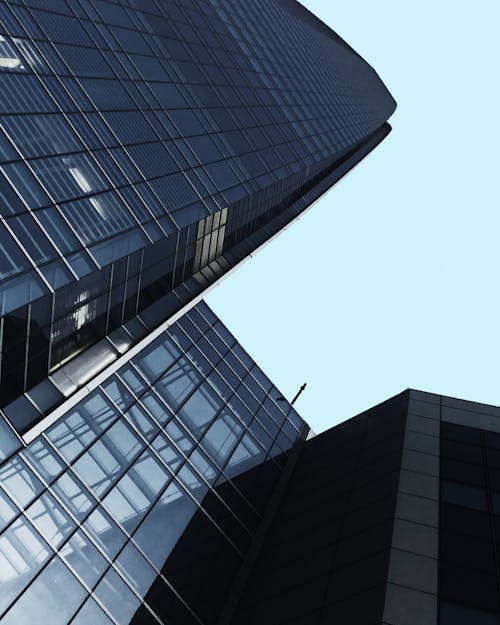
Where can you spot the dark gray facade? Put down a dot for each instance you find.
(390, 518)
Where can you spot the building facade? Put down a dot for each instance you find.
(146, 149)
(390, 518)
(141, 502)
(183, 490)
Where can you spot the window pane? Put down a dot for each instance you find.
(22, 555)
(53, 598)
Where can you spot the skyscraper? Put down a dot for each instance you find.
(391, 517)
(142, 501)
(146, 148)
(181, 491)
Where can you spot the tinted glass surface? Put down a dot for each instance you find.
(141, 141)
(149, 489)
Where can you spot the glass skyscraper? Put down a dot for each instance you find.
(151, 488)
(146, 148)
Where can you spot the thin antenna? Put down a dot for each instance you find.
(301, 390)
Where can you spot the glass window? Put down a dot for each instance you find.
(76, 431)
(460, 433)
(7, 152)
(117, 597)
(23, 93)
(129, 501)
(105, 532)
(47, 463)
(85, 61)
(91, 613)
(157, 358)
(156, 407)
(462, 495)
(41, 135)
(22, 555)
(460, 451)
(188, 123)
(222, 436)
(200, 409)
(462, 472)
(191, 479)
(20, 482)
(9, 443)
(117, 392)
(50, 520)
(466, 521)
(32, 238)
(469, 586)
(493, 457)
(181, 437)
(168, 452)
(95, 468)
(26, 185)
(12, 260)
(467, 552)
(52, 598)
(74, 495)
(152, 159)
(149, 473)
(70, 176)
(58, 230)
(7, 510)
(165, 524)
(83, 557)
(247, 455)
(138, 417)
(138, 573)
(132, 378)
(99, 217)
(492, 439)
(130, 127)
(108, 458)
(177, 383)
(168, 95)
(107, 94)
(126, 503)
(62, 28)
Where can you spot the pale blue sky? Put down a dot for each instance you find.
(391, 280)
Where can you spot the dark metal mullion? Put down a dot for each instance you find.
(139, 281)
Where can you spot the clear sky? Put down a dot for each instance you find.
(391, 280)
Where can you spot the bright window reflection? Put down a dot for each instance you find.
(8, 57)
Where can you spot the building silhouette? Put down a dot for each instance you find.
(391, 517)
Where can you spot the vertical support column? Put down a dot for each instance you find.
(412, 581)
